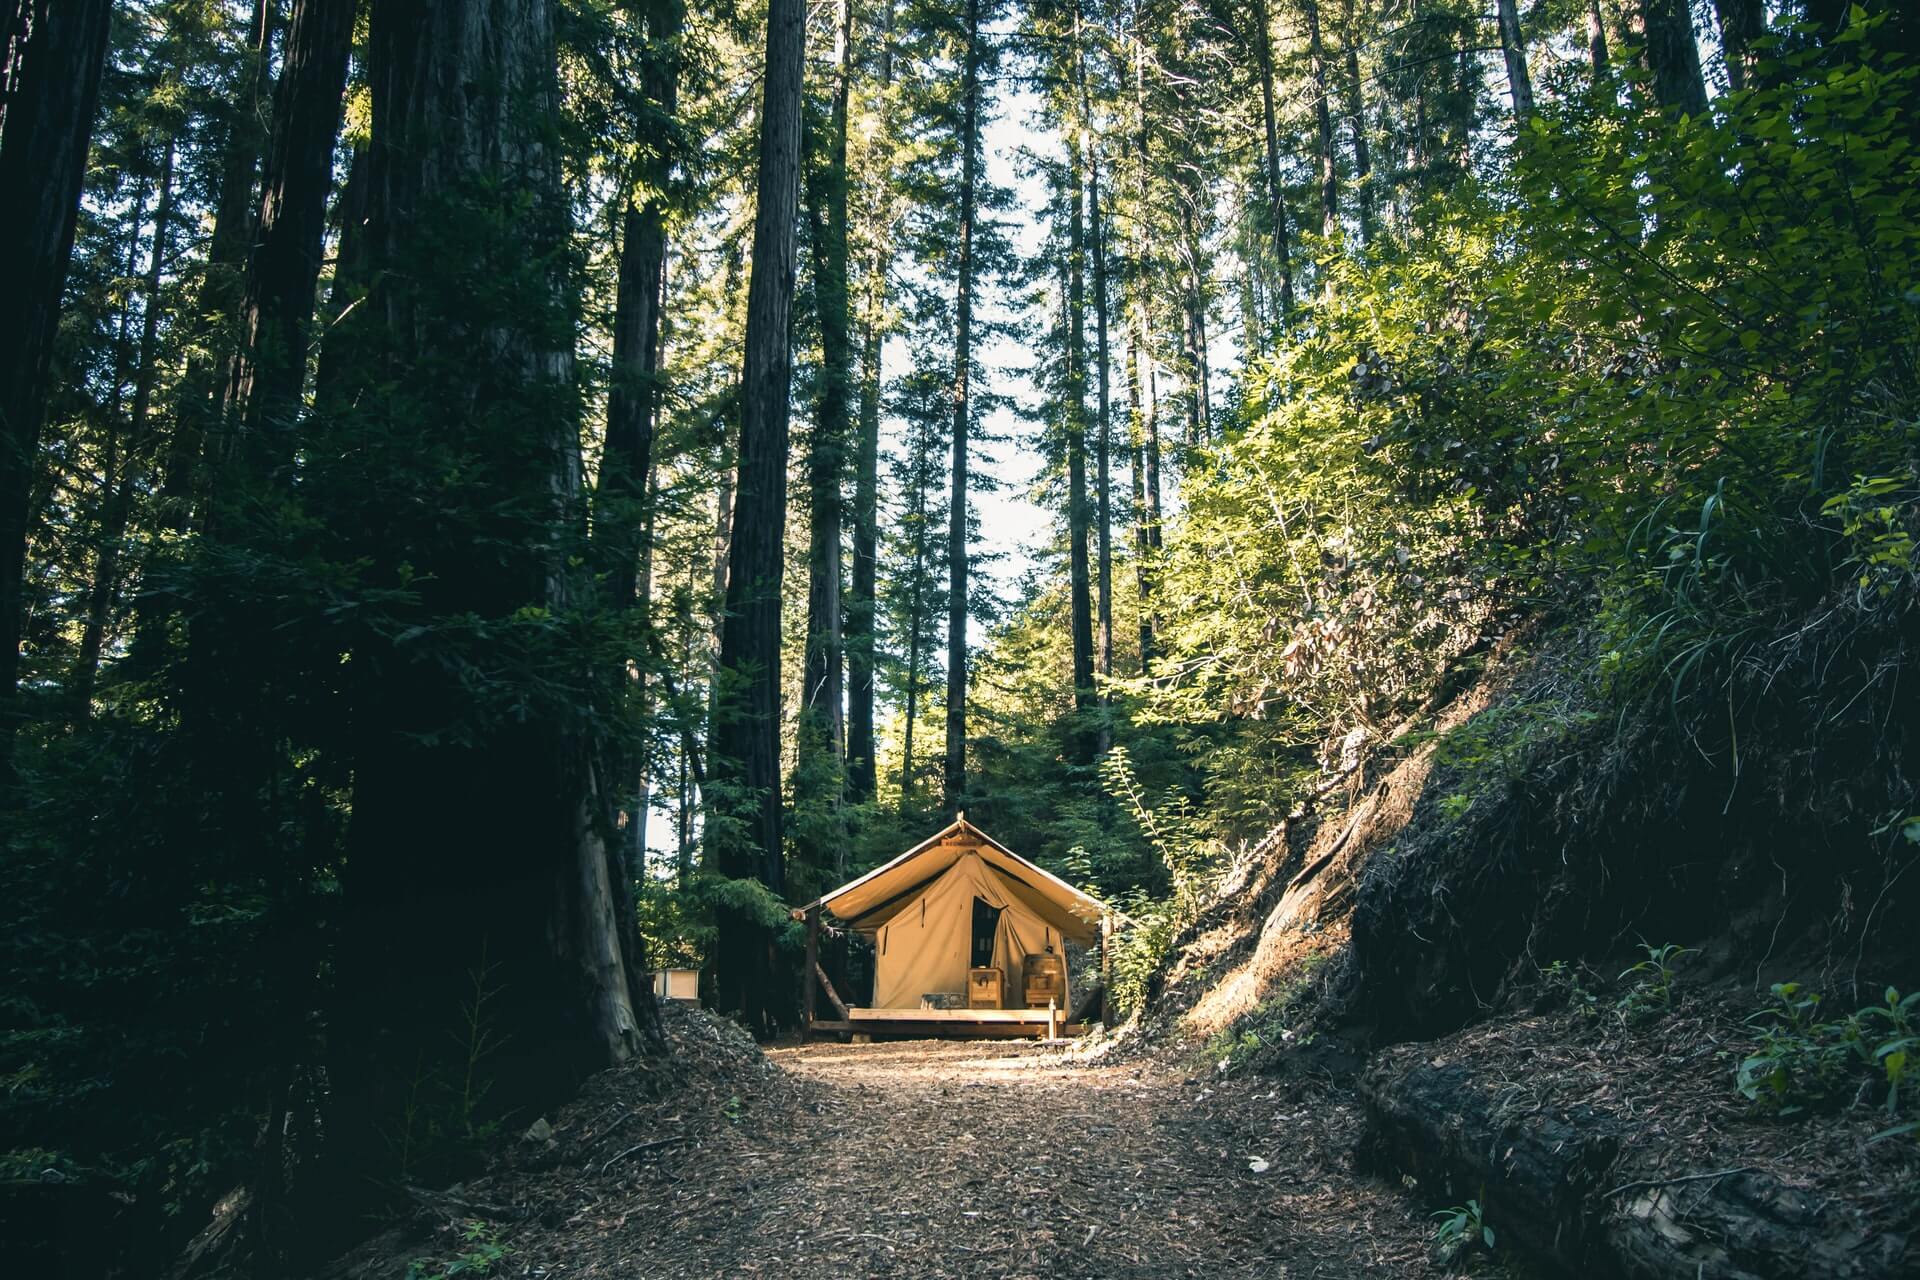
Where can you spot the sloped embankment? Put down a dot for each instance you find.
(1428, 909)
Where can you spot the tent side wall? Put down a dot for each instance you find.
(925, 947)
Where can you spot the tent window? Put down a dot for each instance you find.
(986, 922)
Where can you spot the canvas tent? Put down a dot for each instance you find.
(958, 900)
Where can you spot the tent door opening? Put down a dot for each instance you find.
(986, 923)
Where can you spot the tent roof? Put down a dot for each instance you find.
(870, 900)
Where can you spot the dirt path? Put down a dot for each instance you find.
(991, 1160)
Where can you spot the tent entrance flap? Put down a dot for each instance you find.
(986, 923)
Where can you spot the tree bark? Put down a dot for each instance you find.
(1597, 40)
(54, 67)
(1276, 191)
(866, 496)
(1742, 23)
(1103, 436)
(1672, 57)
(954, 774)
(916, 603)
(746, 740)
(478, 889)
(284, 269)
(201, 396)
(1513, 47)
(1323, 122)
(124, 460)
(1136, 467)
(1073, 421)
(1357, 124)
(822, 741)
(623, 502)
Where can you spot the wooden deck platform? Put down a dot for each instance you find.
(928, 1024)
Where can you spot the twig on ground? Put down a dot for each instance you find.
(639, 1147)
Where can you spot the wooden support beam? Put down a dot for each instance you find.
(826, 985)
(1106, 967)
(813, 967)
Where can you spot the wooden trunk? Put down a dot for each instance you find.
(1046, 979)
(986, 989)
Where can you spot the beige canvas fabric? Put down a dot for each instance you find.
(926, 941)
(875, 898)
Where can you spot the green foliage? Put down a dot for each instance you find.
(1803, 1063)
(1651, 995)
(1570, 981)
(1193, 861)
(1459, 1228)
(482, 1255)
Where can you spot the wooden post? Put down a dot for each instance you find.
(807, 979)
(1106, 969)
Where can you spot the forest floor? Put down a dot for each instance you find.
(921, 1159)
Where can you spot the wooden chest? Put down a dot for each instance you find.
(986, 989)
(1046, 979)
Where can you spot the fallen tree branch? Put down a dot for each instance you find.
(1670, 1182)
(639, 1147)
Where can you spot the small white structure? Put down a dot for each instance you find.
(677, 984)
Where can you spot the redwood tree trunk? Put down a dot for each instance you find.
(1357, 122)
(1276, 191)
(54, 67)
(478, 870)
(125, 457)
(1673, 57)
(866, 495)
(623, 507)
(277, 315)
(1103, 439)
(1073, 420)
(746, 738)
(1323, 122)
(1513, 46)
(954, 775)
(823, 729)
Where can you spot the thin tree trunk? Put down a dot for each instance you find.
(1103, 429)
(866, 494)
(1136, 468)
(123, 468)
(1597, 40)
(1074, 423)
(823, 728)
(56, 68)
(954, 774)
(1357, 125)
(1513, 47)
(284, 269)
(1276, 191)
(916, 604)
(1323, 122)
(1153, 457)
(866, 539)
(746, 740)
(1672, 56)
(332, 373)
(623, 503)
(1742, 24)
(201, 395)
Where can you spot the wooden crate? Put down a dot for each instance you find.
(1045, 979)
(986, 989)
